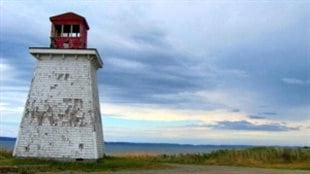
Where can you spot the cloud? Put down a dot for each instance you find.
(151, 36)
(204, 61)
(7, 71)
(294, 81)
(8, 129)
(124, 64)
(269, 113)
(154, 112)
(235, 110)
(200, 135)
(300, 113)
(3, 66)
(13, 87)
(256, 117)
(247, 126)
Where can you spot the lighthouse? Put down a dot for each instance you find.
(61, 119)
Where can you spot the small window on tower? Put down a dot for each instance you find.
(66, 31)
(57, 30)
(75, 31)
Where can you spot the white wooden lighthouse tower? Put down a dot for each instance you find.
(62, 118)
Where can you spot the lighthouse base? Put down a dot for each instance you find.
(62, 118)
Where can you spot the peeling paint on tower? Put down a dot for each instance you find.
(62, 118)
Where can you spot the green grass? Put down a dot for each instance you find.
(266, 157)
(108, 163)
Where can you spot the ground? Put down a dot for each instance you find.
(201, 169)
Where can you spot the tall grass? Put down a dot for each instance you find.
(267, 157)
(274, 157)
(263, 155)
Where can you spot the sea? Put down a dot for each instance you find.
(119, 148)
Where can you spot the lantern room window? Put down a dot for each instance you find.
(67, 31)
(58, 30)
(75, 30)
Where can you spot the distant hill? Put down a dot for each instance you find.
(7, 139)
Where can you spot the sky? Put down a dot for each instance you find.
(188, 72)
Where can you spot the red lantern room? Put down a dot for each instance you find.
(69, 30)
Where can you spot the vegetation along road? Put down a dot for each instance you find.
(201, 169)
(256, 160)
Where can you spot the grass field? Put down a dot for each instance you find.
(266, 157)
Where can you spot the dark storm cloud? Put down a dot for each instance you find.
(247, 126)
(136, 75)
(266, 60)
(257, 61)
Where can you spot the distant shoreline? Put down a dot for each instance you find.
(151, 149)
(178, 144)
(120, 148)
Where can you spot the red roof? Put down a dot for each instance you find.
(69, 16)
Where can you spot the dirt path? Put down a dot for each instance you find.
(199, 169)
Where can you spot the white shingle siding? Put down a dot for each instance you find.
(62, 114)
